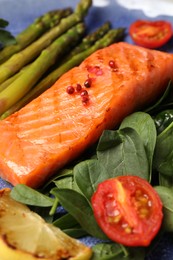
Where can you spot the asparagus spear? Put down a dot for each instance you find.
(33, 31)
(114, 35)
(82, 8)
(19, 87)
(6, 83)
(86, 42)
(20, 59)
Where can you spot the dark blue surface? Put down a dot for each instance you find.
(20, 13)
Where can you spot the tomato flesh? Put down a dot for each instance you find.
(150, 34)
(128, 210)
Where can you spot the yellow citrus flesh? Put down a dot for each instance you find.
(25, 235)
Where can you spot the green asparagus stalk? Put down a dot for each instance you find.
(88, 41)
(18, 88)
(34, 31)
(6, 83)
(20, 59)
(113, 35)
(82, 8)
(85, 43)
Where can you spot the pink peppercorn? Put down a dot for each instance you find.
(112, 64)
(87, 83)
(70, 89)
(78, 87)
(84, 93)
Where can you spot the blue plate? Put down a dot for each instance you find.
(20, 13)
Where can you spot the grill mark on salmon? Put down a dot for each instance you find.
(57, 127)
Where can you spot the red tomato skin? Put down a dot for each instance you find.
(147, 41)
(145, 229)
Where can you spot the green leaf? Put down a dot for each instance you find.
(77, 205)
(145, 127)
(165, 98)
(61, 174)
(6, 38)
(29, 196)
(65, 183)
(165, 180)
(163, 155)
(166, 195)
(65, 222)
(113, 251)
(3, 23)
(76, 232)
(122, 152)
(87, 175)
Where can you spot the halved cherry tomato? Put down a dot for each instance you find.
(128, 210)
(150, 34)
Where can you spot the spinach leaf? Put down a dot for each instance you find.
(61, 174)
(65, 221)
(145, 127)
(6, 38)
(66, 182)
(113, 251)
(87, 175)
(166, 195)
(163, 102)
(75, 232)
(165, 180)
(69, 225)
(163, 155)
(29, 196)
(118, 152)
(77, 206)
(122, 152)
(3, 23)
(163, 120)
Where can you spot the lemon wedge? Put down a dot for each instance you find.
(24, 235)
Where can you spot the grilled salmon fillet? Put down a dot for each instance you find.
(60, 124)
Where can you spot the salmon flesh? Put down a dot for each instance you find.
(65, 120)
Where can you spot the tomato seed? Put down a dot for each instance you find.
(128, 230)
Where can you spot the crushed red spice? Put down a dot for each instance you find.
(95, 70)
